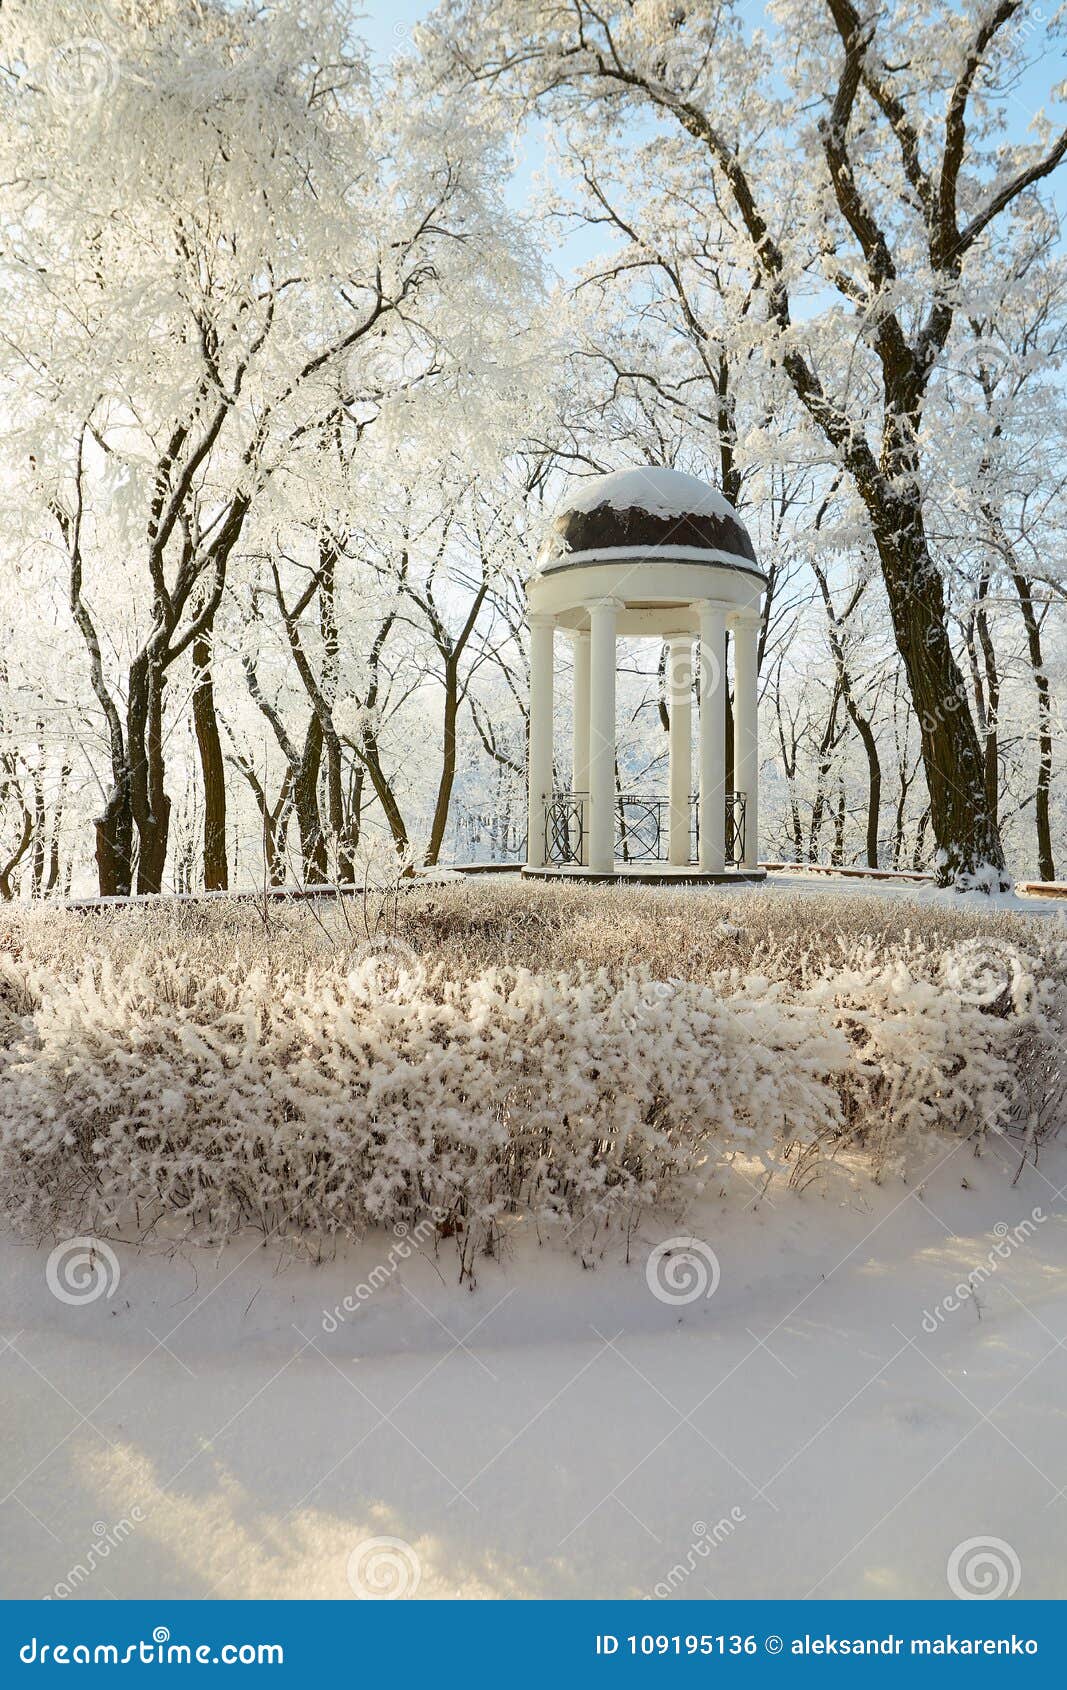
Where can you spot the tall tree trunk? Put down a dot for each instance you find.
(837, 855)
(898, 825)
(11, 789)
(448, 763)
(114, 825)
(384, 792)
(357, 781)
(789, 766)
(795, 825)
(306, 801)
(212, 766)
(1046, 867)
(992, 694)
(340, 827)
(325, 700)
(57, 829)
(114, 841)
(905, 783)
(7, 891)
(965, 830)
(39, 841)
(451, 652)
(826, 748)
(859, 721)
(274, 828)
(919, 854)
(874, 787)
(992, 513)
(970, 630)
(270, 816)
(148, 798)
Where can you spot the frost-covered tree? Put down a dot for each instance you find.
(999, 504)
(857, 165)
(284, 401)
(226, 246)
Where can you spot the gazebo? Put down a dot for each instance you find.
(649, 553)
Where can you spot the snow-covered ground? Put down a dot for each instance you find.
(824, 1423)
(887, 884)
(920, 892)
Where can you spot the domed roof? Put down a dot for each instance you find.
(649, 510)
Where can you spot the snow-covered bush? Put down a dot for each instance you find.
(218, 1069)
(323, 1102)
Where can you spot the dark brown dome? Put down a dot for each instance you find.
(646, 511)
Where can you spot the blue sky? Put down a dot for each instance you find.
(387, 26)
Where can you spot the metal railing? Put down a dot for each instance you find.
(565, 828)
(735, 827)
(734, 830)
(642, 828)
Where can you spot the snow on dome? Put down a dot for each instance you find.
(661, 492)
(648, 509)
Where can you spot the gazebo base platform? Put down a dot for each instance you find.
(649, 874)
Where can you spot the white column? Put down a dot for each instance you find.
(542, 631)
(746, 731)
(712, 738)
(580, 752)
(603, 616)
(680, 742)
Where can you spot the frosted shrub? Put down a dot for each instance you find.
(924, 1058)
(319, 1103)
(213, 1070)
